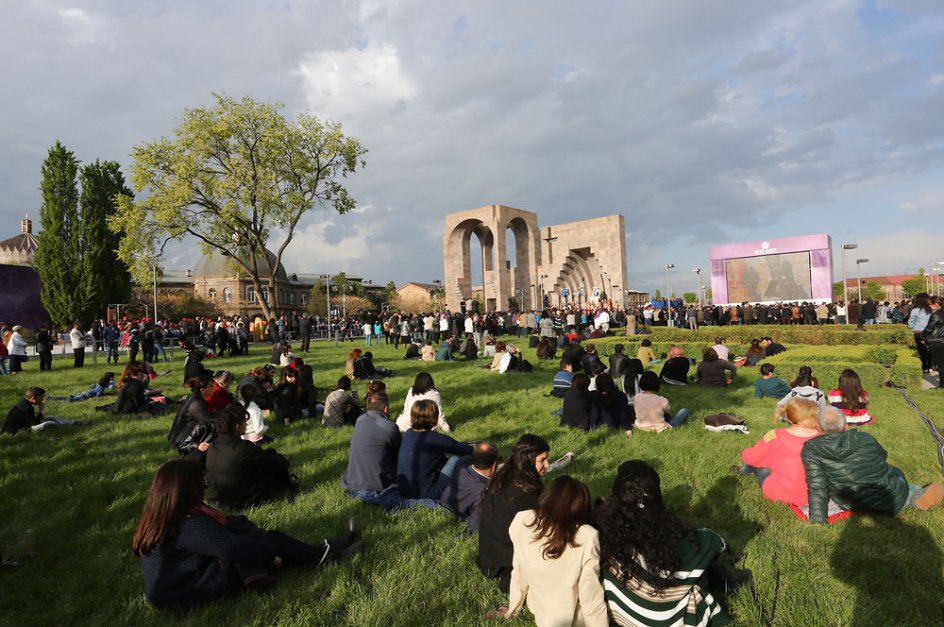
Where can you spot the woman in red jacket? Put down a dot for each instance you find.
(775, 459)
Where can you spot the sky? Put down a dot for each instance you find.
(703, 123)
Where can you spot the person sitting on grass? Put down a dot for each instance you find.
(446, 350)
(341, 408)
(238, 473)
(771, 348)
(307, 392)
(286, 358)
(547, 349)
(193, 428)
(610, 407)
(255, 424)
(285, 397)
(711, 371)
(132, 393)
(105, 384)
(413, 350)
(192, 554)
(470, 350)
(563, 379)
(220, 397)
(424, 389)
(349, 369)
(851, 399)
(597, 369)
(577, 404)
(806, 386)
(634, 370)
(618, 363)
(24, 414)
(427, 353)
(775, 459)
(514, 488)
(372, 457)
(848, 469)
(755, 353)
(258, 379)
(768, 385)
(590, 359)
(556, 565)
(500, 350)
(427, 459)
(653, 562)
(645, 354)
(463, 495)
(193, 364)
(723, 351)
(675, 369)
(652, 411)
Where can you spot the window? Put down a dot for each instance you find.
(227, 295)
(250, 295)
(304, 298)
(282, 295)
(265, 294)
(211, 294)
(292, 298)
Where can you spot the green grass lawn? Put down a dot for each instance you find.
(71, 497)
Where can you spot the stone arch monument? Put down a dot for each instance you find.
(576, 262)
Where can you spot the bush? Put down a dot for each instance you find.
(815, 335)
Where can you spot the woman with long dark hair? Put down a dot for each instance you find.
(424, 389)
(514, 488)
(193, 428)
(610, 407)
(285, 397)
(192, 554)
(851, 399)
(652, 561)
(557, 559)
(918, 321)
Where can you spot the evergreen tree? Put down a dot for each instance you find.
(58, 258)
(105, 279)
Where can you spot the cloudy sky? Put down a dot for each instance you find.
(701, 122)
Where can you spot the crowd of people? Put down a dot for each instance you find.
(625, 557)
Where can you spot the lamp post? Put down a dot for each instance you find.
(668, 286)
(845, 286)
(859, 277)
(438, 296)
(701, 289)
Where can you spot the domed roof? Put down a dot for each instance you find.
(216, 264)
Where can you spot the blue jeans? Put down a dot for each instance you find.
(762, 473)
(680, 417)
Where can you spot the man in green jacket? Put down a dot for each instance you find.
(849, 469)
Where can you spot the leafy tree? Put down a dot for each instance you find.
(104, 278)
(390, 294)
(690, 297)
(914, 286)
(59, 240)
(873, 290)
(658, 294)
(234, 174)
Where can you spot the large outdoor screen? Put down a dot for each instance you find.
(784, 277)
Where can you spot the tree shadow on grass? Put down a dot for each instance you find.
(895, 568)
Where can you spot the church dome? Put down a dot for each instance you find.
(216, 265)
(19, 249)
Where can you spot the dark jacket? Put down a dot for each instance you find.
(498, 510)
(850, 469)
(711, 373)
(934, 332)
(286, 401)
(421, 458)
(618, 363)
(577, 409)
(676, 369)
(372, 458)
(239, 473)
(587, 361)
(192, 426)
(193, 367)
(131, 399)
(463, 495)
(21, 416)
(612, 410)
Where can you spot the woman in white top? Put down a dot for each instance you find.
(423, 389)
(16, 347)
(557, 559)
(255, 425)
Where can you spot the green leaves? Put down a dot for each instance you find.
(232, 174)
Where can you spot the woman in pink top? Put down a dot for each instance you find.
(775, 459)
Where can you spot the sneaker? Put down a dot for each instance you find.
(563, 462)
(931, 496)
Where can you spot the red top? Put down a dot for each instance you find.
(855, 418)
(218, 399)
(780, 450)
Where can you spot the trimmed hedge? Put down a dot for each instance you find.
(816, 335)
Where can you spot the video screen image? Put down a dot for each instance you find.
(783, 277)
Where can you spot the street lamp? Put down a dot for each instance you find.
(845, 287)
(701, 289)
(668, 286)
(859, 278)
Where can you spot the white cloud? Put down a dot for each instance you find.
(932, 200)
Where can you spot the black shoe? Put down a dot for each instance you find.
(738, 469)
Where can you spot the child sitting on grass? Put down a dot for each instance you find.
(23, 415)
(775, 459)
(851, 399)
(769, 385)
(653, 411)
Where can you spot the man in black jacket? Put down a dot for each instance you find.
(23, 415)
(464, 493)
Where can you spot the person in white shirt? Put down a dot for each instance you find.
(723, 351)
(423, 389)
(255, 425)
(16, 348)
(77, 338)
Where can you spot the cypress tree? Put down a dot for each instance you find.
(58, 257)
(104, 278)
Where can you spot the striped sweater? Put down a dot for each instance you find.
(635, 603)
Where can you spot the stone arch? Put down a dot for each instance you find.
(459, 244)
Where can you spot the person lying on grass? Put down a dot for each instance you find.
(427, 459)
(653, 412)
(97, 390)
(851, 399)
(654, 564)
(24, 414)
(849, 469)
(770, 386)
(192, 554)
(775, 459)
(556, 564)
